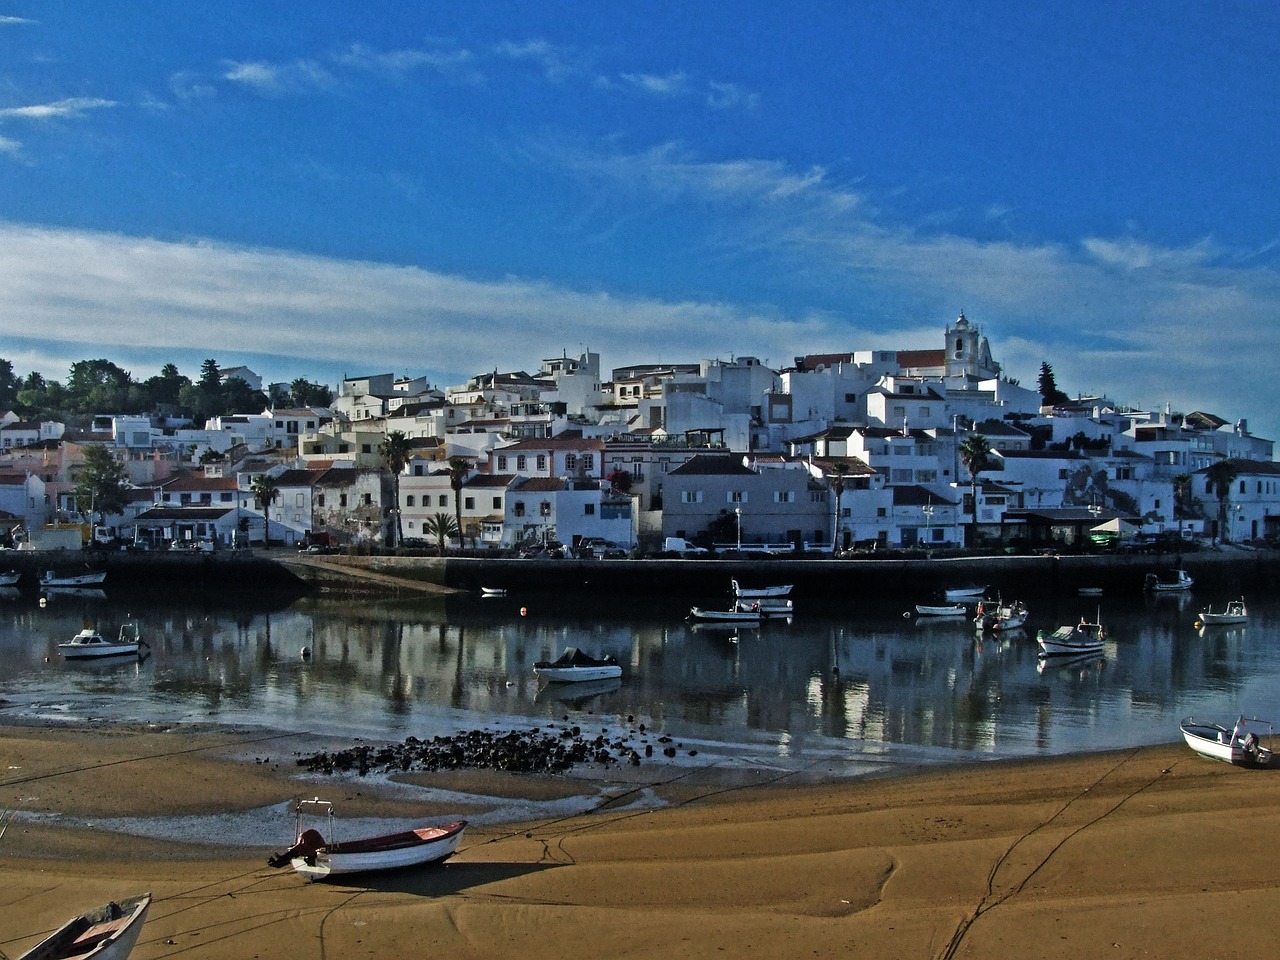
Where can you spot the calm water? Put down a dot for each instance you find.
(841, 679)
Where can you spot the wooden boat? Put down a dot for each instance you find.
(759, 593)
(733, 614)
(318, 859)
(1240, 745)
(575, 666)
(1072, 641)
(1001, 616)
(768, 607)
(90, 643)
(10, 578)
(493, 591)
(92, 579)
(1174, 581)
(1234, 612)
(954, 594)
(105, 933)
(941, 610)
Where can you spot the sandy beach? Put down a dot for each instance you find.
(1146, 853)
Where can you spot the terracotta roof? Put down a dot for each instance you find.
(922, 358)
(541, 485)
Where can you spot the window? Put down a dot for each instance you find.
(522, 463)
(544, 508)
(589, 509)
(737, 496)
(846, 512)
(784, 496)
(542, 462)
(342, 499)
(469, 503)
(518, 510)
(502, 463)
(497, 503)
(588, 461)
(299, 499)
(319, 499)
(408, 500)
(442, 500)
(366, 499)
(570, 461)
(880, 511)
(850, 398)
(690, 496)
(366, 448)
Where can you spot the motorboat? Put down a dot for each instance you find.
(960, 594)
(1234, 612)
(575, 666)
(1072, 641)
(316, 858)
(1000, 616)
(767, 607)
(107, 932)
(1241, 745)
(10, 578)
(493, 591)
(93, 578)
(941, 610)
(760, 593)
(90, 643)
(1172, 581)
(734, 614)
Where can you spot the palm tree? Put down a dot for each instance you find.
(837, 474)
(459, 467)
(1221, 474)
(975, 454)
(265, 490)
(394, 451)
(442, 527)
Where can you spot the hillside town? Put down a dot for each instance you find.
(930, 449)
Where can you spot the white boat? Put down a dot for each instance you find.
(1000, 616)
(767, 607)
(1174, 581)
(954, 594)
(1240, 745)
(575, 666)
(91, 579)
(316, 858)
(733, 614)
(493, 591)
(1234, 612)
(759, 593)
(941, 610)
(1072, 641)
(90, 643)
(105, 933)
(10, 578)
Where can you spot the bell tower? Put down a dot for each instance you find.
(967, 352)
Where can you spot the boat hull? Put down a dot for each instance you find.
(1087, 638)
(78, 651)
(725, 616)
(758, 593)
(554, 674)
(80, 580)
(1218, 743)
(948, 610)
(106, 933)
(432, 845)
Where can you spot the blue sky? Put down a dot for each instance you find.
(443, 188)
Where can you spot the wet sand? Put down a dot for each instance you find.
(1146, 853)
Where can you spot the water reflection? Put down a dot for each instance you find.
(389, 669)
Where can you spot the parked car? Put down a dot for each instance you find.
(598, 548)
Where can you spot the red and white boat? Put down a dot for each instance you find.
(316, 858)
(105, 933)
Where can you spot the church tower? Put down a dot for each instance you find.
(967, 353)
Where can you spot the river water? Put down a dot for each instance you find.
(848, 682)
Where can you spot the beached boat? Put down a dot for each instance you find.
(1172, 581)
(732, 615)
(1234, 612)
(941, 610)
(1072, 641)
(1241, 745)
(90, 643)
(758, 593)
(105, 933)
(1000, 616)
(960, 594)
(316, 858)
(10, 578)
(575, 666)
(92, 579)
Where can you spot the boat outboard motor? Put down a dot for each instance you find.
(308, 843)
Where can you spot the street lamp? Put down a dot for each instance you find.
(737, 513)
(928, 519)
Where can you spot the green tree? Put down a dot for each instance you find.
(8, 384)
(394, 450)
(210, 374)
(459, 467)
(1050, 395)
(304, 393)
(97, 386)
(441, 526)
(837, 476)
(166, 387)
(975, 454)
(102, 486)
(1221, 474)
(265, 489)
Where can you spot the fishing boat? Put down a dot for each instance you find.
(316, 858)
(1241, 745)
(105, 933)
(1000, 616)
(93, 578)
(493, 591)
(1234, 612)
(575, 666)
(759, 593)
(768, 607)
(733, 615)
(10, 578)
(941, 610)
(1072, 641)
(90, 643)
(960, 594)
(1172, 581)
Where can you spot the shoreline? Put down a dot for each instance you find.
(1130, 853)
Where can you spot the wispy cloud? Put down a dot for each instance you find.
(556, 62)
(730, 96)
(669, 85)
(16, 21)
(71, 108)
(9, 146)
(444, 59)
(278, 79)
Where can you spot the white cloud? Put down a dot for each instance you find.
(556, 62)
(11, 147)
(728, 96)
(670, 85)
(457, 63)
(277, 79)
(71, 108)
(17, 20)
